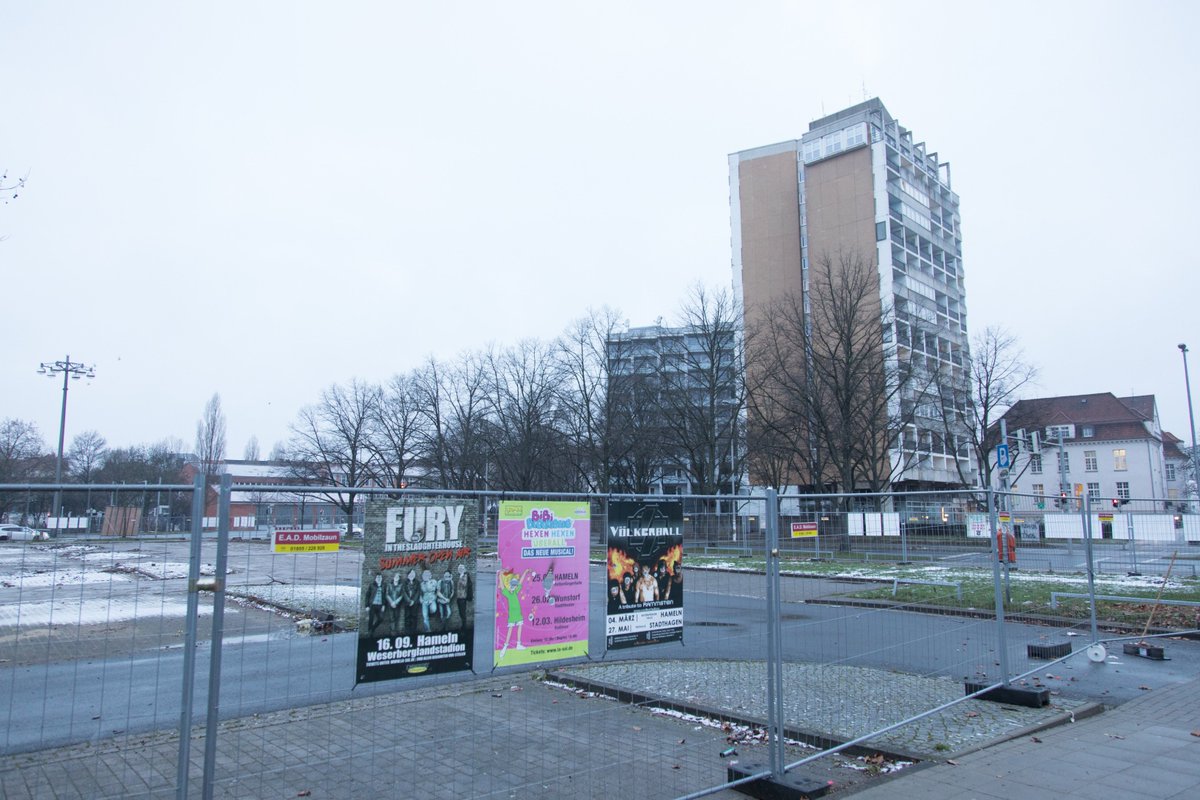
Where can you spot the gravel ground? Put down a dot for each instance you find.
(833, 701)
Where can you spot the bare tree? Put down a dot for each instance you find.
(395, 431)
(330, 442)
(21, 457)
(832, 392)
(702, 391)
(525, 440)
(453, 400)
(831, 385)
(251, 453)
(86, 455)
(637, 433)
(997, 374)
(594, 397)
(141, 467)
(210, 439)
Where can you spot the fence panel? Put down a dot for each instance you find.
(579, 657)
(605, 719)
(91, 640)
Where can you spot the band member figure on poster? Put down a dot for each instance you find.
(663, 578)
(428, 598)
(411, 598)
(509, 583)
(626, 591)
(374, 603)
(677, 583)
(463, 593)
(647, 587)
(445, 593)
(393, 596)
(614, 597)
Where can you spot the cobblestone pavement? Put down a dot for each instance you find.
(839, 702)
(520, 736)
(1148, 748)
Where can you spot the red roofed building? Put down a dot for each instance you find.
(1112, 447)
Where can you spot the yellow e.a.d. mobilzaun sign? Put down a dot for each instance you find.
(298, 541)
(804, 530)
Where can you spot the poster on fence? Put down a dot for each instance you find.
(645, 573)
(541, 582)
(417, 601)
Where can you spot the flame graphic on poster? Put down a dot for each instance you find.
(620, 562)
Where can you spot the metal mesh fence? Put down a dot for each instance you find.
(664, 656)
(92, 629)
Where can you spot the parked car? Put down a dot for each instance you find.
(20, 533)
(355, 530)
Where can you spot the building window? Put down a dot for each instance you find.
(1123, 490)
(1057, 432)
(1119, 462)
(1093, 491)
(1064, 461)
(1039, 489)
(1035, 464)
(1170, 472)
(1088, 431)
(1090, 462)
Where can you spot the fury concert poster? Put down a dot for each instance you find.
(541, 583)
(418, 587)
(645, 573)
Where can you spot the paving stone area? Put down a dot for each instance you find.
(1148, 748)
(520, 736)
(500, 737)
(842, 702)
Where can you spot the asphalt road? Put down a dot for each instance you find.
(266, 665)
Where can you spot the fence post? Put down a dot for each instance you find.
(218, 628)
(189, 639)
(774, 635)
(1132, 540)
(998, 592)
(1085, 509)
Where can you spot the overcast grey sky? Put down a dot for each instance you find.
(261, 199)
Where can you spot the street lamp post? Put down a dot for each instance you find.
(70, 370)
(1183, 350)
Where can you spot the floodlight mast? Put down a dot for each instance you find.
(70, 370)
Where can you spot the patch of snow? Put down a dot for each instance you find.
(63, 577)
(341, 601)
(91, 612)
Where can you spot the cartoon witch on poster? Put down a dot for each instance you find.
(509, 584)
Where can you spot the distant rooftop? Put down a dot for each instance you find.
(833, 120)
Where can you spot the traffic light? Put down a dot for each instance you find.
(1116, 503)
(1062, 500)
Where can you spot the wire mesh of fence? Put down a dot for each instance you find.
(487, 644)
